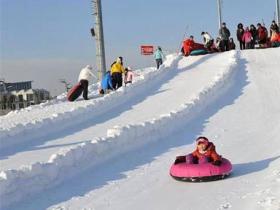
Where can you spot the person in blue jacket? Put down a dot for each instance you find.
(158, 56)
(106, 83)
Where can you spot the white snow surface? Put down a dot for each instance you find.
(114, 152)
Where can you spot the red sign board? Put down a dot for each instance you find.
(147, 50)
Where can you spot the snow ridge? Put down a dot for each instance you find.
(57, 120)
(15, 184)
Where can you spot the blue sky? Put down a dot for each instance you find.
(54, 35)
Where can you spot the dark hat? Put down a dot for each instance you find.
(240, 25)
(202, 32)
(202, 140)
(119, 59)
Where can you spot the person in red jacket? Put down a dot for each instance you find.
(262, 34)
(188, 46)
(205, 152)
(275, 39)
(247, 38)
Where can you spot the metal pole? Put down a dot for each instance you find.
(100, 49)
(277, 12)
(219, 13)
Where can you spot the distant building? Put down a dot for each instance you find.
(19, 95)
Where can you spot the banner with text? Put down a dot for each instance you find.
(147, 50)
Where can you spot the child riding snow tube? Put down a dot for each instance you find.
(204, 164)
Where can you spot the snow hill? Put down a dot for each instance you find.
(114, 152)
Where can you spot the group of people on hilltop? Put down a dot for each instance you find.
(250, 36)
(247, 38)
(222, 43)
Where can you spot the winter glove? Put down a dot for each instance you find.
(209, 160)
(180, 159)
(217, 163)
(195, 160)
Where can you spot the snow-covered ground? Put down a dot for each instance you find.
(115, 152)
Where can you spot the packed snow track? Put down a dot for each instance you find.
(115, 152)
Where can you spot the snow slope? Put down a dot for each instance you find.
(220, 96)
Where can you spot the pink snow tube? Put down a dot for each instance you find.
(201, 172)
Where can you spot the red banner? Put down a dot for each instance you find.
(147, 50)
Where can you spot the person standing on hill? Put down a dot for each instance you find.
(117, 70)
(262, 34)
(247, 38)
(239, 35)
(254, 33)
(231, 44)
(84, 77)
(275, 39)
(219, 44)
(274, 27)
(224, 33)
(158, 56)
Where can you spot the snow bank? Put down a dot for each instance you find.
(17, 184)
(15, 131)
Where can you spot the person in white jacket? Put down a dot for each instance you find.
(85, 75)
(207, 39)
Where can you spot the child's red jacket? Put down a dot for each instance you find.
(210, 152)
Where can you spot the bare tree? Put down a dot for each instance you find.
(66, 84)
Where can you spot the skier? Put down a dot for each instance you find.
(106, 83)
(158, 56)
(204, 152)
(117, 70)
(84, 77)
